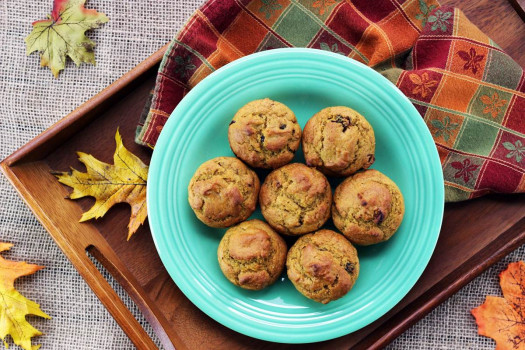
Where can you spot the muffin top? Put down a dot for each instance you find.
(323, 266)
(338, 141)
(368, 207)
(264, 134)
(295, 199)
(251, 255)
(223, 191)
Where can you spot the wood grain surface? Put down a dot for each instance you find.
(474, 234)
(519, 6)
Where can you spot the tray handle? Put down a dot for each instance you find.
(109, 298)
(104, 254)
(73, 245)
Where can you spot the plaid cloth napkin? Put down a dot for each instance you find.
(469, 92)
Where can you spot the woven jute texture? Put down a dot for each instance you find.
(31, 100)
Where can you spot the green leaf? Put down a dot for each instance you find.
(423, 7)
(446, 120)
(63, 34)
(324, 46)
(518, 144)
(437, 124)
(446, 136)
(509, 146)
(510, 155)
(446, 16)
(432, 19)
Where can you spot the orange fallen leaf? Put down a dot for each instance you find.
(503, 319)
(122, 182)
(14, 306)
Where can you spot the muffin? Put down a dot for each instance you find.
(338, 141)
(295, 199)
(264, 134)
(323, 266)
(368, 207)
(251, 255)
(223, 191)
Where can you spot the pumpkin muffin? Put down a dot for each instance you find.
(338, 141)
(295, 199)
(323, 266)
(223, 191)
(264, 134)
(368, 207)
(252, 255)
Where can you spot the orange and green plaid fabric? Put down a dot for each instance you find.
(469, 92)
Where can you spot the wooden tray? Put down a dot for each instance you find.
(475, 234)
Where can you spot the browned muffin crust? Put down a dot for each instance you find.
(338, 141)
(264, 134)
(252, 255)
(368, 207)
(295, 199)
(323, 266)
(223, 191)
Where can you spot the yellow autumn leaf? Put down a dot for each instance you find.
(122, 182)
(14, 307)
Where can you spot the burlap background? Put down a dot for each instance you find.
(32, 100)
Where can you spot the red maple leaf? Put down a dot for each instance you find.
(471, 60)
(465, 169)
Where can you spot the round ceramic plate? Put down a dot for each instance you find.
(306, 80)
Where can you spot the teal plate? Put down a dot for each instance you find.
(306, 80)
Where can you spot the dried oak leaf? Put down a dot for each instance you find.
(124, 181)
(14, 306)
(62, 34)
(503, 319)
